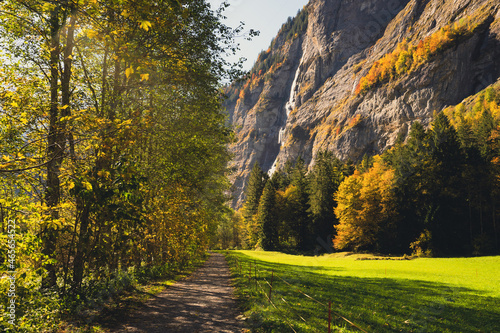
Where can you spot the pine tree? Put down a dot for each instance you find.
(445, 143)
(448, 226)
(280, 179)
(483, 130)
(267, 219)
(300, 221)
(256, 183)
(326, 176)
(465, 135)
(365, 164)
(412, 163)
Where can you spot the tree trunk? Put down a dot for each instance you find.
(66, 78)
(104, 78)
(83, 240)
(57, 136)
(54, 153)
(2, 219)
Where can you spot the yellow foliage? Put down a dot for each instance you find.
(145, 25)
(407, 58)
(91, 33)
(354, 121)
(129, 71)
(87, 186)
(364, 202)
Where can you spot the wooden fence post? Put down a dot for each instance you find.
(255, 273)
(271, 286)
(329, 316)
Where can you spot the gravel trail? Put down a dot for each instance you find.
(204, 302)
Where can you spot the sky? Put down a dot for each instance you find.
(267, 16)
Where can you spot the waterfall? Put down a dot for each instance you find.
(289, 106)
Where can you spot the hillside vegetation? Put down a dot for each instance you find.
(408, 58)
(434, 194)
(357, 78)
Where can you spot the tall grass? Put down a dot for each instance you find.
(419, 295)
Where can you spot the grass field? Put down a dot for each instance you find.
(418, 295)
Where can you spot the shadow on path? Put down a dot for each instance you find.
(202, 303)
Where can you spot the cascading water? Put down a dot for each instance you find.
(289, 106)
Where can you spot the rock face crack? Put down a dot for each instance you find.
(202, 303)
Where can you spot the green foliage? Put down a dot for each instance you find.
(295, 26)
(301, 209)
(445, 199)
(255, 186)
(324, 180)
(266, 61)
(113, 143)
(299, 204)
(230, 232)
(267, 218)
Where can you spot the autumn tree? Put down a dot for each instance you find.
(115, 146)
(366, 209)
(406, 58)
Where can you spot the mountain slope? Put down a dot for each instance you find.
(304, 94)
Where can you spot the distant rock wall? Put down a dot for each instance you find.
(322, 67)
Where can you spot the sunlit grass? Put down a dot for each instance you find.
(419, 295)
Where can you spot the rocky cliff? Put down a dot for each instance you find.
(304, 95)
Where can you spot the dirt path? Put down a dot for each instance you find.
(202, 303)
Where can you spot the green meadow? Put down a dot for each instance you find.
(376, 294)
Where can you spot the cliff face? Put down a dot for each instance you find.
(307, 100)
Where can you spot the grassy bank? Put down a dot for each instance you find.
(419, 295)
(113, 313)
(104, 303)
